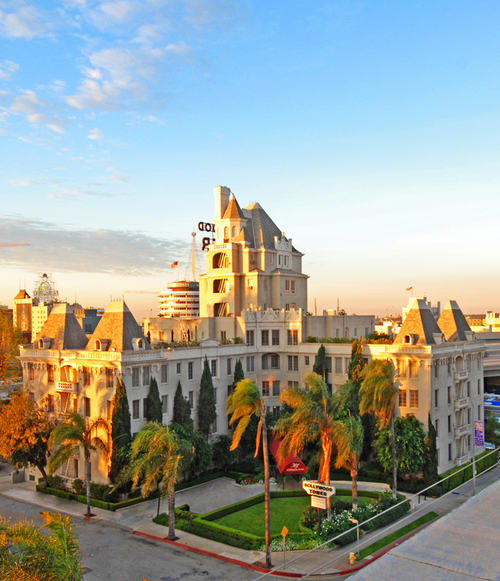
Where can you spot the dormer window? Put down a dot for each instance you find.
(102, 344)
(45, 343)
(138, 344)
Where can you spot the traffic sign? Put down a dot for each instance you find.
(313, 488)
(284, 532)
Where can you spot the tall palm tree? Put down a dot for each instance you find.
(378, 394)
(75, 432)
(313, 418)
(242, 403)
(27, 554)
(348, 437)
(158, 458)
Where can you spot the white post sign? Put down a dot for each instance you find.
(318, 502)
(314, 489)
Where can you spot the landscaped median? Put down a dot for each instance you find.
(210, 525)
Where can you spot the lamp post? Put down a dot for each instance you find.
(353, 520)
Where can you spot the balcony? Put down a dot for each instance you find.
(461, 375)
(66, 386)
(462, 403)
(462, 430)
(462, 460)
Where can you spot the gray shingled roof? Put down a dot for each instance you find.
(419, 322)
(62, 327)
(260, 230)
(233, 210)
(453, 323)
(118, 326)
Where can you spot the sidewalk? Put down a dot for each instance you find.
(224, 491)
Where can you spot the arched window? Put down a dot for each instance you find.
(226, 234)
(97, 345)
(220, 260)
(220, 285)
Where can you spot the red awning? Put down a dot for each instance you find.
(291, 464)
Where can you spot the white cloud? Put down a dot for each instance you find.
(7, 69)
(26, 22)
(28, 102)
(95, 133)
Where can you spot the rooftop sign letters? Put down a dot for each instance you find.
(313, 488)
(206, 227)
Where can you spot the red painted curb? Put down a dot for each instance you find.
(222, 558)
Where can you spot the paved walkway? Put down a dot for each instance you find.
(224, 491)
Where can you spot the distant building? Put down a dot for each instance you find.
(181, 299)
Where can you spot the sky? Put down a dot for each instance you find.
(368, 130)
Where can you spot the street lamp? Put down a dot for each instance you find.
(353, 520)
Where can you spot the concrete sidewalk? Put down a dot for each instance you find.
(224, 491)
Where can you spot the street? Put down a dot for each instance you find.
(111, 553)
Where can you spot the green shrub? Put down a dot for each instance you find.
(462, 474)
(97, 491)
(56, 482)
(78, 486)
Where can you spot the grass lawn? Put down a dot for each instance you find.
(284, 512)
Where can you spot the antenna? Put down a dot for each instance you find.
(193, 257)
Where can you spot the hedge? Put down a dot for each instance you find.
(462, 474)
(73, 496)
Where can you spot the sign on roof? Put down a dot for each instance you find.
(313, 488)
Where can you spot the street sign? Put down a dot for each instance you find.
(314, 489)
(284, 532)
(318, 502)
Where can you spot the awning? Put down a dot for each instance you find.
(291, 464)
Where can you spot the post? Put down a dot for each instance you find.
(473, 454)
(353, 520)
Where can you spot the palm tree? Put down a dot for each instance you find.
(312, 419)
(158, 458)
(242, 403)
(75, 432)
(27, 554)
(348, 437)
(378, 394)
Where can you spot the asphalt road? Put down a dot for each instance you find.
(111, 553)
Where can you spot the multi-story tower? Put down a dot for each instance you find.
(251, 264)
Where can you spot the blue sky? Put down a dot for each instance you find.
(369, 132)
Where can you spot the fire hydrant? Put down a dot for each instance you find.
(352, 558)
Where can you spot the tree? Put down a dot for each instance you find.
(348, 437)
(24, 432)
(222, 455)
(410, 445)
(120, 430)
(10, 338)
(182, 408)
(319, 366)
(158, 458)
(312, 419)
(491, 428)
(201, 458)
(154, 413)
(26, 554)
(356, 364)
(347, 395)
(75, 432)
(430, 468)
(238, 373)
(378, 394)
(242, 404)
(206, 401)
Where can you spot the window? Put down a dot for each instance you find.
(413, 368)
(293, 384)
(292, 285)
(213, 427)
(306, 360)
(275, 361)
(135, 409)
(86, 401)
(468, 416)
(164, 373)
(213, 367)
(276, 387)
(220, 260)
(402, 398)
(265, 337)
(287, 306)
(191, 398)
(414, 398)
(280, 260)
(468, 389)
(338, 365)
(449, 394)
(401, 368)
(228, 367)
(50, 371)
(220, 285)
(145, 376)
(145, 407)
(109, 377)
(436, 398)
(223, 336)
(50, 403)
(265, 388)
(275, 337)
(179, 368)
(86, 376)
(164, 404)
(478, 412)
(250, 338)
(250, 364)
(436, 367)
(347, 360)
(449, 453)
(478, 387)
(135, 377)
(449, 424)
(250, 284)
(448, 367)
(293, 363)
(293, 337)
(190, 370)
(436, 425)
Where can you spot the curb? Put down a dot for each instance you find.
(221, 557)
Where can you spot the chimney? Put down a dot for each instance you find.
(221, 200)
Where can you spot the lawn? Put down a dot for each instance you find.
(284, 512)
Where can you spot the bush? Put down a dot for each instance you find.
(78, 486)
(97, 490)
(56, 482)
(462, 474)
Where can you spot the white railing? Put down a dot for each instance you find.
(462, 430)
(66, 386)
(464, 402)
